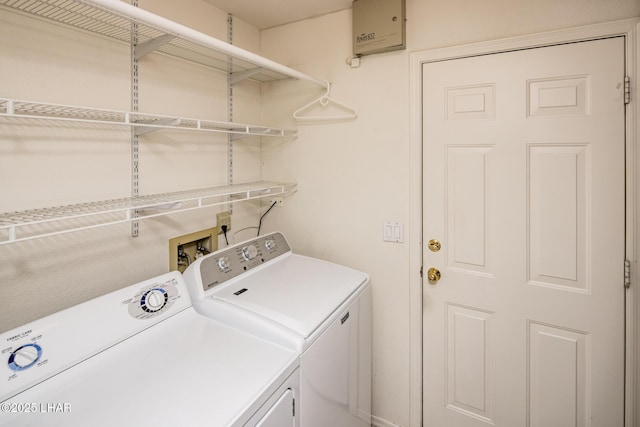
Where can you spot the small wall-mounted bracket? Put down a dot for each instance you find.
(141, 130)
(243, 75)
(143, 49)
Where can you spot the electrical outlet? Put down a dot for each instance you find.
(278, 200)
(185, 249)
(223, 218)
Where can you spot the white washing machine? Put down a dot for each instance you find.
(142, 356)
(320, 309)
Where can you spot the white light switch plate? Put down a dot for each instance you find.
(393, 231)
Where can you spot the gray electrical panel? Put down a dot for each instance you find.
(378, 26)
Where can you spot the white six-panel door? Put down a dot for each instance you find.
(524, 189)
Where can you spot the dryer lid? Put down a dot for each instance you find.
(297, 292)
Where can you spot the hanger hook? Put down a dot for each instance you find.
(328, 88)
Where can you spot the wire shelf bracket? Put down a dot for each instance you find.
(152, 45)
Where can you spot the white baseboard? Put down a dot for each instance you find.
(379, 422)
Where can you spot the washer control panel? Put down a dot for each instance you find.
(23, 354)
(152, 300)
(40, 349)
(227, 263)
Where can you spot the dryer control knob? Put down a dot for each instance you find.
(223, 262)
(249, 252)
(24, 357)
(270, 244)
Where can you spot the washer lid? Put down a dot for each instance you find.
(186, 370)
(297, 292)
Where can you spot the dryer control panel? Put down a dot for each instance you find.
(227, 263)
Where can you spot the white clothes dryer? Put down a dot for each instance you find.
(320, 309)
(142, 356)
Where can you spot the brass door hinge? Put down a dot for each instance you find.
(627, 90)
(627, 273)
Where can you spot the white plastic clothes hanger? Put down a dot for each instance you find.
(323, 103)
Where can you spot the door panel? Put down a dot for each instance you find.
(524, 187)
(467, 200)
(558, 375)
(558, 216)
(470, 362)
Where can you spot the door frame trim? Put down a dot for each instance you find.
(630, 29)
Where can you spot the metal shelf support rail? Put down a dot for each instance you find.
(135, 132)
(230, 106)
(37, 223)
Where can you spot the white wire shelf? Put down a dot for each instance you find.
(114, 19)
(38, 223)
(142, 122)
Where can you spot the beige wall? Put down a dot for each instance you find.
(353, 176)
(43, 165)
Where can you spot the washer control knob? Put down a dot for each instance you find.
(154, 300)
(249, 252)
(25, 357)
(270, 244)
(223, 262)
